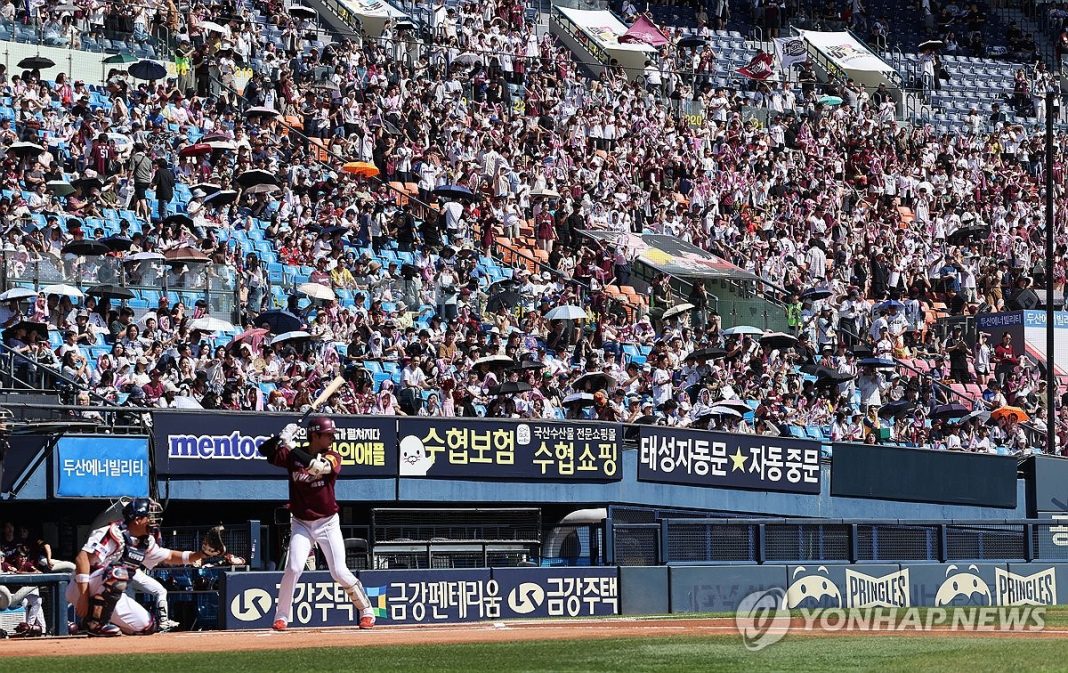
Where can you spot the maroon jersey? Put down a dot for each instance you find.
(310, 497)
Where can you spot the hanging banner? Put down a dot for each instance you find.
(101, 467)
(791, 51)
(699, 458)
(462, 448)
(192, 443)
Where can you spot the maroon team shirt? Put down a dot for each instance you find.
(310, 497)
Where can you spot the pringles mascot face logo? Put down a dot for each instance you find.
(963, 588)
(813, 591)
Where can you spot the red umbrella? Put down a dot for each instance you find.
(253, 337)
(197, 150)
(185, 254)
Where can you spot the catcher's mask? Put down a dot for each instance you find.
(146, 507)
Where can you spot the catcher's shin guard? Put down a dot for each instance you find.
(103, 604)
(358, 596)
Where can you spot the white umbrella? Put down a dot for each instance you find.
(551, 193)
(186, 402)
(149, 315)
(726, 411)
(222, 145)
(467, 58)
(566, 312)
(291, 336)
(578, 399)
(63, 290)
(495, 360)
(209, 324)
(741, 329)
(317, 291)
(214, 27)
(301, 10)
(25, 147)
(143, 257)
(17, 293)
(677, 309)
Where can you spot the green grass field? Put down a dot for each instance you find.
(883, 654)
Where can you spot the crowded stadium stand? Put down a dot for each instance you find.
(519, 226)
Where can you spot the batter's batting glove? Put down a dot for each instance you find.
(319, 466)
(289, 434)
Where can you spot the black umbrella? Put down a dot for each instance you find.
(862, 351)
(117, 243)
(36, 63)
(223, 197)
(86, 248)
(87, 184)
(109, 291)
(206, 187)
(455, 192)
(503, 299)
(778, 340)
(815, 293)
(511, 388)
(526, 366)
(878, 363)
(830, 378)
(279, 322)
(594, 381)
(39, 327)
(947, 411)
(147, 70)
(257, 176)
(705, 354)
(691, 42)
(967, 233)
(896, 409)
(179, 218)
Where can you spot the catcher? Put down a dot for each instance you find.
(110, 558)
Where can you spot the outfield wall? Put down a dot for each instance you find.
(445, 596)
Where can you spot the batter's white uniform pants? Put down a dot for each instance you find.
(31, 596)
(326, 532)
(129, 615)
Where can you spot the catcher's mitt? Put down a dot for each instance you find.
(212, 544)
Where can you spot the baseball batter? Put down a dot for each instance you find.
(106, 563)
(313, 508)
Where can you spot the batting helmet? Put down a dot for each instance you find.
(139, 507)
(321, 424)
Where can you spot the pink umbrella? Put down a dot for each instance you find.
(253, 337)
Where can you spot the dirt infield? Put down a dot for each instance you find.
(482, 632)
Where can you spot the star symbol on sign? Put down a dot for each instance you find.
(738, 460)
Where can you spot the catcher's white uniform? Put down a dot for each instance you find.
(106, 547)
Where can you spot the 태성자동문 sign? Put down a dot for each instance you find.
(702, 458)
(227, 444)
(461, 448)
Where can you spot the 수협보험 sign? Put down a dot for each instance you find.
(459, 448)
(700, 458)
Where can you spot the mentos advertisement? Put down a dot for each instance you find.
(227, 444)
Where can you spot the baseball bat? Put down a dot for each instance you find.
(319, 401)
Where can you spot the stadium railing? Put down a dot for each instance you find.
(747, 541)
